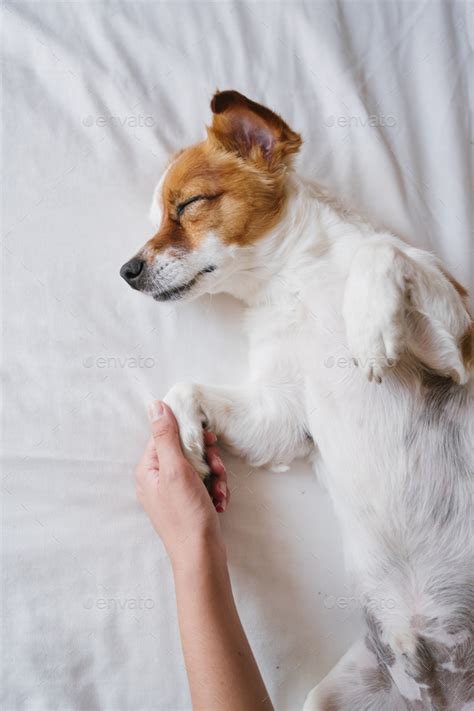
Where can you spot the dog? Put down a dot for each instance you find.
(361, 356)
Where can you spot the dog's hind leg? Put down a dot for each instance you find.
(358, 682)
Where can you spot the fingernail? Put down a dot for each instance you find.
(220, 508)
(155, 410)
(222, 489)
(220, 463)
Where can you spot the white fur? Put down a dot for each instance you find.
(156, 207)
(324, 288)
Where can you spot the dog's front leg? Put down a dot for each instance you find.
(374, 302)
(399, 299)
(259, 422)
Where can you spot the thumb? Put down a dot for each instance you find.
(165, 433)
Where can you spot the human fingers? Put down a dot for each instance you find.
(218, 488)
(165, 437)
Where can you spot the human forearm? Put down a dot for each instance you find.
(221, 668)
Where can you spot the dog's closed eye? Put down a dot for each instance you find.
(181, 207)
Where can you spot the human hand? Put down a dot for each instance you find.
(173, 495)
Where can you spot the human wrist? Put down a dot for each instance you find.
(203, 551)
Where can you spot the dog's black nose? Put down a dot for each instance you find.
(131, 270)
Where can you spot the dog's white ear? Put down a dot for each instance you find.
(440, 328)
(250, 130)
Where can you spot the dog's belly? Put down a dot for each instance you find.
(398, 464)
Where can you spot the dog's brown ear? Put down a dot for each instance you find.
(251, 130)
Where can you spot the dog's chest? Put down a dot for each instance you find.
(301, 341)
(278, 335)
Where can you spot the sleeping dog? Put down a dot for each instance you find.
(361, 355)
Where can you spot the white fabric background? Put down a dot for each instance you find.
(78, 176)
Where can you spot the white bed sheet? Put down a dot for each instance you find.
(95, 97)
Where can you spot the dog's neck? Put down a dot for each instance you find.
(274, 267)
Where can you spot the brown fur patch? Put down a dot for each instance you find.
(332, 702)
(243, 201)
(454, 282)
(240, 172)
(467, 348)
(467, 341)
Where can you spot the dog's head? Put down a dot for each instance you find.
(215, 200)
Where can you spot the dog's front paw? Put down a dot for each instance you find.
(374, 307)
(184, 400)
(375, 352)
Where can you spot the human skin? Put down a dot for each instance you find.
(222, 671)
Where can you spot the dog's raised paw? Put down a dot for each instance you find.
(374, 357)
(375, 338)
(373, 309)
